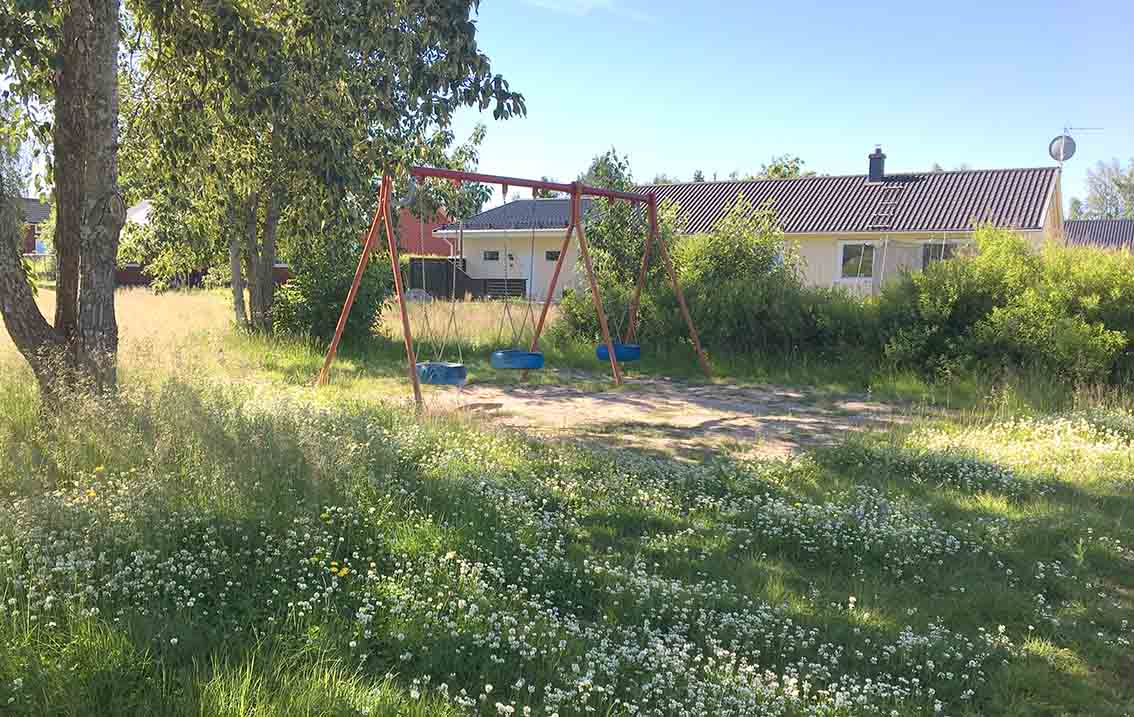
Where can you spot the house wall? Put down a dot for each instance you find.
(1053, 218)
(31, 233)
(520, 246)
(893, 254)
(418, 237)
(821, 255)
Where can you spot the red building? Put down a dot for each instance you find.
(416, 237)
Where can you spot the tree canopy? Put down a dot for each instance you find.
(252, 124)
(1110, 192)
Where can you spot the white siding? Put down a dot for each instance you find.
(526, 264)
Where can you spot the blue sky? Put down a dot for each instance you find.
(723, 86)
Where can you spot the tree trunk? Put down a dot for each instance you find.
(236, 266)
(261, 254)
(265, 277)
(103, 209)
(251, 253)
(44, 350)
(81, 350)
(73, 89)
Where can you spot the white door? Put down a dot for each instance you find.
(519, 263)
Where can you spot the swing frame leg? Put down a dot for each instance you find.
(370, 237)
(563, 247)
(381, 216)
(595, 296)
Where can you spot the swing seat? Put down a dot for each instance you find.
(622, 352)
(442, 373)
(516, 359)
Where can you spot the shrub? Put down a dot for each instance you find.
(1068, 311)
(1033, 331)
(310, 302)
(743, 284)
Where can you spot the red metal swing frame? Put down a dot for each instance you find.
(576, 191)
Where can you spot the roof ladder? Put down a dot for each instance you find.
(887, 208)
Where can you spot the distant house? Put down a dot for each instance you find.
(1102, 233)
(853, 231)
(35, 214)
(512, 248)
(418, 237)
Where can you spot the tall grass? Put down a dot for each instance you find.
(221, 538)
(229, 543)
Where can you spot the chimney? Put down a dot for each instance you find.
(877, 165)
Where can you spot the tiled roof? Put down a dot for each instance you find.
(35, 211)
(931, 201)
(523, 214)
(1105, 233)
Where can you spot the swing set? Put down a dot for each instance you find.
(455, 373)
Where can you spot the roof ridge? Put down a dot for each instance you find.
(849, 176)
(1117, 219)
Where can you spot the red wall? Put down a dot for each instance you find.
(29, 238)
(409, 235)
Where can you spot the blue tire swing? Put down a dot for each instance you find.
(623, 352)
(514, 359)
(440, 372)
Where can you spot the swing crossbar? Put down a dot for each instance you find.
(583, 189)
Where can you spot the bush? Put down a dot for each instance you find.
(1068, 311)
(310, 302)
(1032, 331)
(743, 284)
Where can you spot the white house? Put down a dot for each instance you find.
(518, 242)
(854, 231)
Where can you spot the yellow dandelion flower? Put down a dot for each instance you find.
(344, 571)
(99, 469)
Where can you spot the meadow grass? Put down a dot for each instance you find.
(221, 538)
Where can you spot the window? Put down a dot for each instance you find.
(936, 251)
(857, 261)
(551, 255)
(492, 255)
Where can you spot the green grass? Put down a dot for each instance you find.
(202, 547)
(221, 538)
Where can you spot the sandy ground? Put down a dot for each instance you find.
(677, 418)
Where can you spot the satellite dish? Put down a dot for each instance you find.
(1061, 148)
